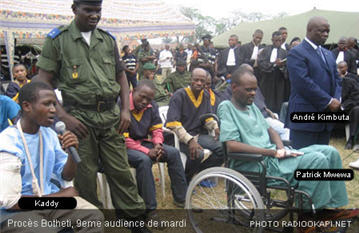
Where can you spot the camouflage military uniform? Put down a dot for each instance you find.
(86, 76)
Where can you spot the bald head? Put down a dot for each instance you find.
(342, 68)
(239, 73)
(318, 30)
(342, 43)
(198, 80)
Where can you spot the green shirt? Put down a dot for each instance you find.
(161, 97)
(176, 81)
(248, 127)
(84, 74)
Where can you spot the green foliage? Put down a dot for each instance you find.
(209, 25)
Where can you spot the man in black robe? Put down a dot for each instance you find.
(341, 53)
(228, 59)
(274, 81)
(248, 53)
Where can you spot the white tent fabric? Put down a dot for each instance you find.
(125, 19)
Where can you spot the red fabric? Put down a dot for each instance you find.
(136, 145)
(157, 136)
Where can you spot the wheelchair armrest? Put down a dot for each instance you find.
(176, 140)
(287, 143)
(246, 157)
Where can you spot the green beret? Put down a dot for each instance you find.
(149, 66)
(207, 37)
(181, 62)
(89, 2)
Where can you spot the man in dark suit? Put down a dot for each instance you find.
(341, 53)
(228, 59)
(248, 53)
(315, 84)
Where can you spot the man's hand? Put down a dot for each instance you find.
(194, 149)
(280, 153)
(334, 106)
(68, 139)
(66, 192)
(75, 126)
(152, 154)
(278, 62)
(155, 152)
(271, 114)
(125, 120)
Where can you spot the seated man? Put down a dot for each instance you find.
(350, 102)
(183, 117)
(8, 111)
(259, 101)
(244, 129)
(162, 97)
(35, 150)
(179, 79)
(213, 94)
(142, 153)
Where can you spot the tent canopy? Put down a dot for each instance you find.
(341, 24)
(29, 22)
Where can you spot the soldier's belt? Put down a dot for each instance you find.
(100, 106)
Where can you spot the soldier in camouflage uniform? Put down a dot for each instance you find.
(145, 55)
(83, 61)
(179, 79)
(162, 96)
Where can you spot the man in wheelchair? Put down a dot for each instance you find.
(245, 130)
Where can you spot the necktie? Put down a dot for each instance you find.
(320, 53)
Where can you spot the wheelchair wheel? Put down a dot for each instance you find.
(230, 203)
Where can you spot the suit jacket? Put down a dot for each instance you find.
(313, 84)
(245, 53)
(222, 62)
(349, 58)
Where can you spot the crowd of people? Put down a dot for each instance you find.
(247, 86)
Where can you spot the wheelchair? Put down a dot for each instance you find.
(242, 201)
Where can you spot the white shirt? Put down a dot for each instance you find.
(254, 53)
(273, 55)
(165, 59)
(340, 57)
(87, 36)
(231, 60)
(283, 46)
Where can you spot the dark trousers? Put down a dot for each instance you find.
(215, 159)
(300, 139)
(354, 122)
(132, 79)
(144, 176)
(109, 146)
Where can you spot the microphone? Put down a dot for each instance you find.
(61, 128)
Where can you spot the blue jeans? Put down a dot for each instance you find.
(144, 176)
(215, 159)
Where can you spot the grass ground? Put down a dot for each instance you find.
(346, 155)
